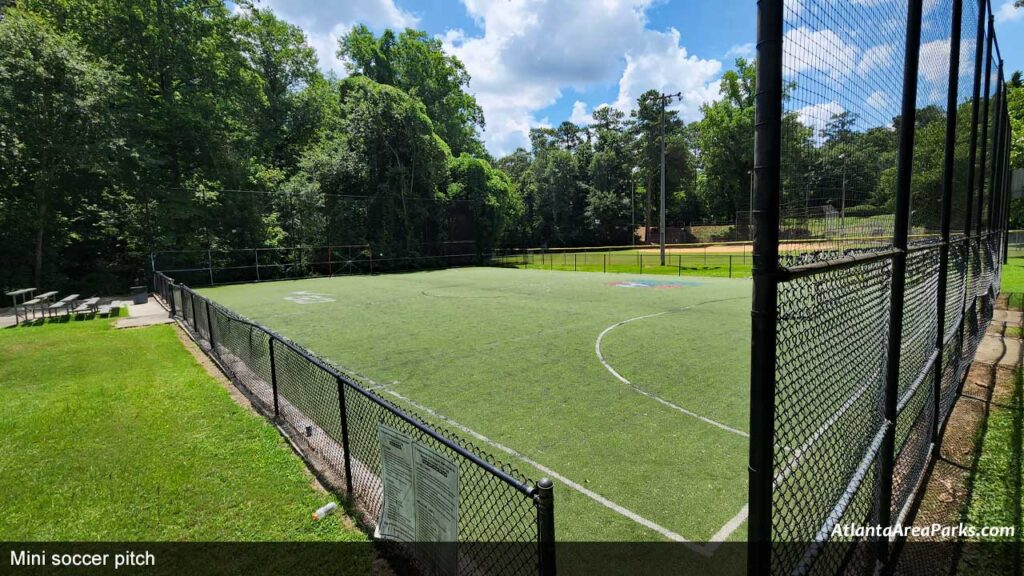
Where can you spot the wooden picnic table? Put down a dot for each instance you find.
(25, 294)
(64, 303)
(40, 301)
(87, 305)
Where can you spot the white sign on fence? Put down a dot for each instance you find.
(421, 496)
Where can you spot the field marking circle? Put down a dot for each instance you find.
(624, 380)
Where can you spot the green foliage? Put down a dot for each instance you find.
(59, 148)
(1015, 104)
(416, 63)
(483, 201)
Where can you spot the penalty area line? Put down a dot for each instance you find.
(639, 390)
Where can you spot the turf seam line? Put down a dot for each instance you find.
(639, 390)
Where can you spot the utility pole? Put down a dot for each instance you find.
(632, 205)
(665, 99)
(842, 201)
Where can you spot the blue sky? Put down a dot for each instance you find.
(539, 62)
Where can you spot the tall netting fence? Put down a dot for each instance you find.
(503, 521)
(867, 314)
(242, 265)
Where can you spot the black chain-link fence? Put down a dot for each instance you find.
(864, 334)
(505, 521)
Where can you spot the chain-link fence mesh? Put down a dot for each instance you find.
(334, 421)
(867, 315)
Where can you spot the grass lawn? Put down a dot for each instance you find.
(1013, 275)
(513, 355)
(997, 497)
(120, 435)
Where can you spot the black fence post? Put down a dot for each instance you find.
(344, 435)
(901, 226)
(764, 309)
(545, 500)
(972, 156)
(273, 376)
(949, 165)
(209, 326)
(1006, 180)
(195, 317)
(174, 308)
(984, 128)
(997, 139)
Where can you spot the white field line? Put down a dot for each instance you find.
(725, 531)
(575, 486)
(706, 550)
(798, 454)
(621, 378)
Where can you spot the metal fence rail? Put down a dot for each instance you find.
(505, 521)
(861, 344)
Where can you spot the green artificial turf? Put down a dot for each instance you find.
(511, 355)
(120, 435)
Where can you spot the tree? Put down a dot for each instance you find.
(482, 200)
(725, 140)
(57, 141)
(417, 64)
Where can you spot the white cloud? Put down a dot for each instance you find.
(326, 22)
(532, 50)
(876, 57)
(741, 51)
(934, 59)
(820, 50)
(817, 116)
(580, 115)
(1007, 12)
(668, 68)
(878, 100)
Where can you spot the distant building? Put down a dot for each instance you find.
(1017, 183)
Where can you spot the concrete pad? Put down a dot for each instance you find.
(149, 314)
(1011, 317)
(996, 350)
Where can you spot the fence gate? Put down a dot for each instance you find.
(863, 330)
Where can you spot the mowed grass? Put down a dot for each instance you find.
(1013, 275)
(120, 435)
(511, 355)
(647, 261)
(997, 497)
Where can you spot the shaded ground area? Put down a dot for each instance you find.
(976, 480)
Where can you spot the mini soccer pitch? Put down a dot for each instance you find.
(629, 391)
